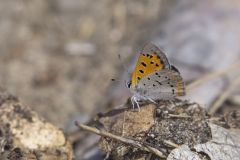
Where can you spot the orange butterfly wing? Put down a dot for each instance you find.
(151, 59)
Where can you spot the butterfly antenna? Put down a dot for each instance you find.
(127, 82)
(115, 80)
(123, 66)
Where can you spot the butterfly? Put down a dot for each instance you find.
(154, 78)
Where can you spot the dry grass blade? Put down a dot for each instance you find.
(217, 104)
(174, 145)
(178, 116)
(121, 139)
(210, 76)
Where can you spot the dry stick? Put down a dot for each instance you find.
(178, 116)
(225, 95)
(171, 144)
(122, 139)
(213, 75)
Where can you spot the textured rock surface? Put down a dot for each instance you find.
(179, 122)
(225, 145)
(24, 134)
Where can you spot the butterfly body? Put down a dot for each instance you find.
(154, 78)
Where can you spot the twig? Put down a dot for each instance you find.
(225, 95)
(171, 144)
(213, 75)
(121, 139)
(178, 116)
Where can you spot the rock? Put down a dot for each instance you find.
(25, 135)
(178, 122)
(223, 145)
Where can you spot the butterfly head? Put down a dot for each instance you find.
(128, 84)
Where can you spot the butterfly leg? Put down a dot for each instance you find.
(150, 99)
(137, 104)
(134, 100)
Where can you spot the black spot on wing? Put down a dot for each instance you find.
(159, 82)
(161, 61)
(141, 71)
(144, 64)
(152, 62)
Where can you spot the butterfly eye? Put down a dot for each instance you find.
(128, 84)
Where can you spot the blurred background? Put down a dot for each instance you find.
(59, 56)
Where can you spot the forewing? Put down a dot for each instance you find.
(151, 59)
